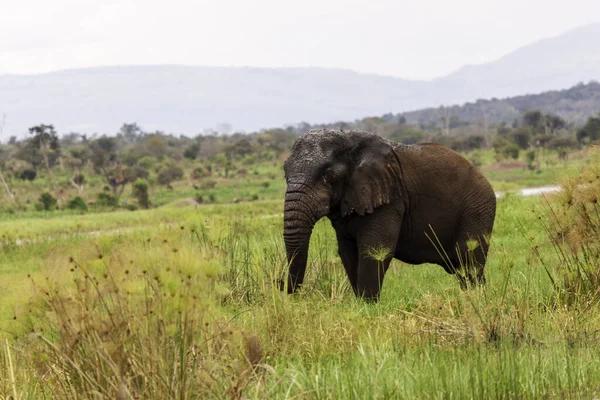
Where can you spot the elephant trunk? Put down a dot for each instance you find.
(299, 217)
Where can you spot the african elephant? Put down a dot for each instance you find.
(420, 203)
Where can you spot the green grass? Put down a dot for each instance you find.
(424, 339)
(182, 301)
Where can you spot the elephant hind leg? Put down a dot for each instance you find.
(472, 257)
(467, 262)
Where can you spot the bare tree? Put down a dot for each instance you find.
(46, 140)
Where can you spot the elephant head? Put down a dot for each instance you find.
(336, 174)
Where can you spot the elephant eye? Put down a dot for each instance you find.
(328, 176)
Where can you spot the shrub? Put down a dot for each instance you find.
(140, 192)
(46, 202)
(530, 155)
(510, 151)
(77, 203)
(106, 200)
(199, 199)
(199, 172)
(28, 175)
(134, 173)
(146, 162)
(574, 223)
(79, 179)
(475, 158)
(191, 152)
(168, 174)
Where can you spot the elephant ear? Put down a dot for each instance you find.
(375, 179)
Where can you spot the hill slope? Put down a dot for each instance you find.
(574, 105)
(549, 64)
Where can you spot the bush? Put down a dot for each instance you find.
(191, 152)
(510, 151)
(106, 200)
(475, 158)
(79, 179)
(199, 172)
(199, 199)
(140, 192)
(146, 162)
(77, 203)
(28, 175)
(574, 223)
(46, 202)
(168, 174)
(530, 156)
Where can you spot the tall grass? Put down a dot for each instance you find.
(190, 308)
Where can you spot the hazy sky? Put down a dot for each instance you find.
(418, 39)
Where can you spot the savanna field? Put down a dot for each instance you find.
(182, 301)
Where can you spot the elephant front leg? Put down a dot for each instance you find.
(371, 272)
(373, 263)
(348, 252)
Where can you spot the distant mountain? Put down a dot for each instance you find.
(549, 64)
(186, 99)
(574, 105)
(181, 99)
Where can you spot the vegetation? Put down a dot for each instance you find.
(181, 302)
(574, 105)
(179, 298)
(102, 170)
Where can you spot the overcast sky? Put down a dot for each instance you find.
(417, 39)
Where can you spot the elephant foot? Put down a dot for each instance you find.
(470, 281)
(290, 287)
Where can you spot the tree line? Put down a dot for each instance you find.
(132, 155)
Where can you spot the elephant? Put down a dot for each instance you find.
(420, 203)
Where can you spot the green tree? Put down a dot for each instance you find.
(45, 143)
(552, 124)
(130, 132)
(590, 132)
(140, 192)
(191, 152)
(168, 174)
(28, 175)
(521, 137)
(510, 151)
(46, 202)
(77, 203)
(104, 158)
(533, 119)
(75, 161)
